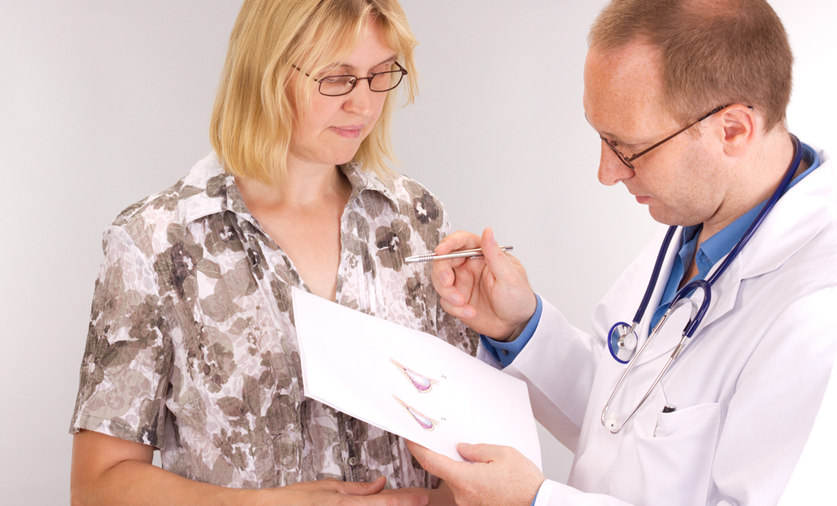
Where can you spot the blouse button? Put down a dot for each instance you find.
(352, 461)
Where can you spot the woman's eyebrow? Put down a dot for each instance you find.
(352, 67)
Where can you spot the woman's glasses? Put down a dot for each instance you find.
(335, 86)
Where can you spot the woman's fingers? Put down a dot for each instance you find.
(336, 493)
(362, 488)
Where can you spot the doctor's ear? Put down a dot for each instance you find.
(739, 123)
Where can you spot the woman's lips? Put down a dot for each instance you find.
(348, 131)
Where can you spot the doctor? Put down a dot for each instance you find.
(689, 100)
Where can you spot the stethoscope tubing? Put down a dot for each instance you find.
(685, 291)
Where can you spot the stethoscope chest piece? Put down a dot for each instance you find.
(622, 341)
(622, 338)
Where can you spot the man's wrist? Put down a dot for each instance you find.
(518, 330)
(506, 351)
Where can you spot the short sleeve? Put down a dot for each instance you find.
(127, 360)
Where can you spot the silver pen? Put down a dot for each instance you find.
(429, 257)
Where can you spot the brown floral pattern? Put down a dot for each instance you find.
(192, 347)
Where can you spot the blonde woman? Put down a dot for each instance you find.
(192, 348)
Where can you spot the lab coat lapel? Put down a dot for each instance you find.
(795, 220)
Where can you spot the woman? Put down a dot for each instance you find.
(192, 347)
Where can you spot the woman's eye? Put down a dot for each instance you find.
(386, 67)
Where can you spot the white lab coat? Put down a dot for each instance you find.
(747, 388)
(811, 480)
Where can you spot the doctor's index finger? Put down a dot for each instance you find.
(459, 240)
(434, 463)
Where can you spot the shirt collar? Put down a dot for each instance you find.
(362, 180)
(209, 189)
(716, 247)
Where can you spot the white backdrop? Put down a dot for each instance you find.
(103, 103)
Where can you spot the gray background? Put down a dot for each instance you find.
(105, 102)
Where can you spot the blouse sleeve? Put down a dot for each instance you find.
(125, 370)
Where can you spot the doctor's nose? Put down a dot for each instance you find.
(611, 168)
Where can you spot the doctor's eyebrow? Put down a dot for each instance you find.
(609, 137)
(606, 135)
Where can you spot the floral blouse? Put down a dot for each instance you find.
(192, 347)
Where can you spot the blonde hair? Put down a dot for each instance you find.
(255, 110)
(712, 52)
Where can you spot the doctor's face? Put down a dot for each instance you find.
(623, 101)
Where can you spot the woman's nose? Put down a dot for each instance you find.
(360, 100)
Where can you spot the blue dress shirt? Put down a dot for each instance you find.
(710, 252)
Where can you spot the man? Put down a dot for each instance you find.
(689, 99)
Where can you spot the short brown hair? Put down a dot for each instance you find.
(255, 114)
(712, 52)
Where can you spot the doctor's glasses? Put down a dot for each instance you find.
(627, 160)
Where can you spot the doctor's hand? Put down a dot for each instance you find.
(494, 475)
(491, 294)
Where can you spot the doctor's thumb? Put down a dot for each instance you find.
(499, 263)
(476, 453)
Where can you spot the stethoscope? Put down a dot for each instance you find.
(622, 338)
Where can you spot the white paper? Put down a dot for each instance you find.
(409, 383)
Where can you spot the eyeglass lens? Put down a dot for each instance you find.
(381, 81)
(622, 158)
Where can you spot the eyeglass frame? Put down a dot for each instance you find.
(401, 70)
(628, 160)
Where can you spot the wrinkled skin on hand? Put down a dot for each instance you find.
(493, 476)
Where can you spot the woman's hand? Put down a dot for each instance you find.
(493, 475)
(340, 493)
(491, 294)
(441, 496)
(110, 471)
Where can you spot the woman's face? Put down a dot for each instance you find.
(329, 131)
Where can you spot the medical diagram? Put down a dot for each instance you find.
(426, 422)
(423, 385)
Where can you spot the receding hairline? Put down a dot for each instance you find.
(712, 52)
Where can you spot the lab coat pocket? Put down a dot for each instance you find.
(680, 452)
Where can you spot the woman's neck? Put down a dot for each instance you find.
(303, 187)
(302, 214)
